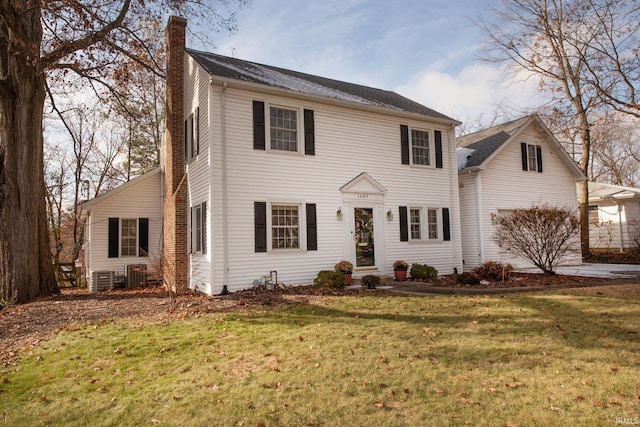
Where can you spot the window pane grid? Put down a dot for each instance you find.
(533, 161)
(420, 147)
(284, 129)
(285, 227)
(129, 236)
(432, 220)
(415, 224)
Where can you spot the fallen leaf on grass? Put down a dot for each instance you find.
(579, 398)
(379, 404)
(598, 403)
(155, 421)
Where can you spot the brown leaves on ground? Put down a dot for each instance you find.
(23, 326)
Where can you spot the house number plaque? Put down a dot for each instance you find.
(363, 196)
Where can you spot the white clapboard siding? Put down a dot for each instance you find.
(471, 255)
(347, 143)
(505, 186)
(139, 198)
(196, 95)
(615, 228)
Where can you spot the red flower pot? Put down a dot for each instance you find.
(400, 275)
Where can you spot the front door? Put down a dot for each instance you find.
(364, 237)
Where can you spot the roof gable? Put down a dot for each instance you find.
(476, 150)
(88, 205)
(251, 72)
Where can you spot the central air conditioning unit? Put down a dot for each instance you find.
(102, 280)
(136, 275)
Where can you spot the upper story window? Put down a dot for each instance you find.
(284, 129)
(531, 157)
(421, 147)
(281, 128)
(192, 135)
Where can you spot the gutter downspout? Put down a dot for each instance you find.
(225, 204)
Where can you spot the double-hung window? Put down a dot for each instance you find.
(283, 124)
(285, 226)
(421, 147)
(531, 157)
(416, 224)
(199, 228)
(423, 224)
(129, 240)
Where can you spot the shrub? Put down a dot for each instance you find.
(333, 279)
(370, 281)
(542, 234)
(467, 279)
(493, 271)
(423, 271)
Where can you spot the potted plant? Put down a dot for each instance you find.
(346, 268)
(400, 268)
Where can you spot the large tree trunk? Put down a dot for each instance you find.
(25, 259)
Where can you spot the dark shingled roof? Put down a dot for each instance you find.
(485, 142)
(237, 69)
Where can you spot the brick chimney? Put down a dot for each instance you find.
(175, 258)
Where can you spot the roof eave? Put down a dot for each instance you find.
(272, 90)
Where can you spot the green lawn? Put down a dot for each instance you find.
(375, 360)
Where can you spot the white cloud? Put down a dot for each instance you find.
(477, 90)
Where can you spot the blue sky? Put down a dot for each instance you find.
(426, 50)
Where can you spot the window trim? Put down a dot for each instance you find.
(425, 231)
(300, 130)
(302, 226)
(198, 236)
(128, 238)
(431, 147)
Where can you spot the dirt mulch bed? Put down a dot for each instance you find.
(24, 326)
(518, 280)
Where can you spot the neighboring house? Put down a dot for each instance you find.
(270, 170)
(614, 217)
(503, 168)
(123, 227)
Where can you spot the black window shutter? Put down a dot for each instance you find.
(312, 227)
(404, 144)
(143, 237)
(114, 224)
(539, 158)
(446, 225)
(204, 227)
(309, 133)
(404, 224)
(525, 160)
(260, 215)
(191, 135)
(196, 135)
(259, 127)
(438, 138)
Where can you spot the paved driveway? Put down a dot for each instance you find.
(618, 271)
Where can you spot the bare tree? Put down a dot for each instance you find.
(47, 43)
(539, 37)
(541, 234)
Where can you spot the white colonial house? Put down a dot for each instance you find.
(507, 167)
(614, 217)
(271, 170)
